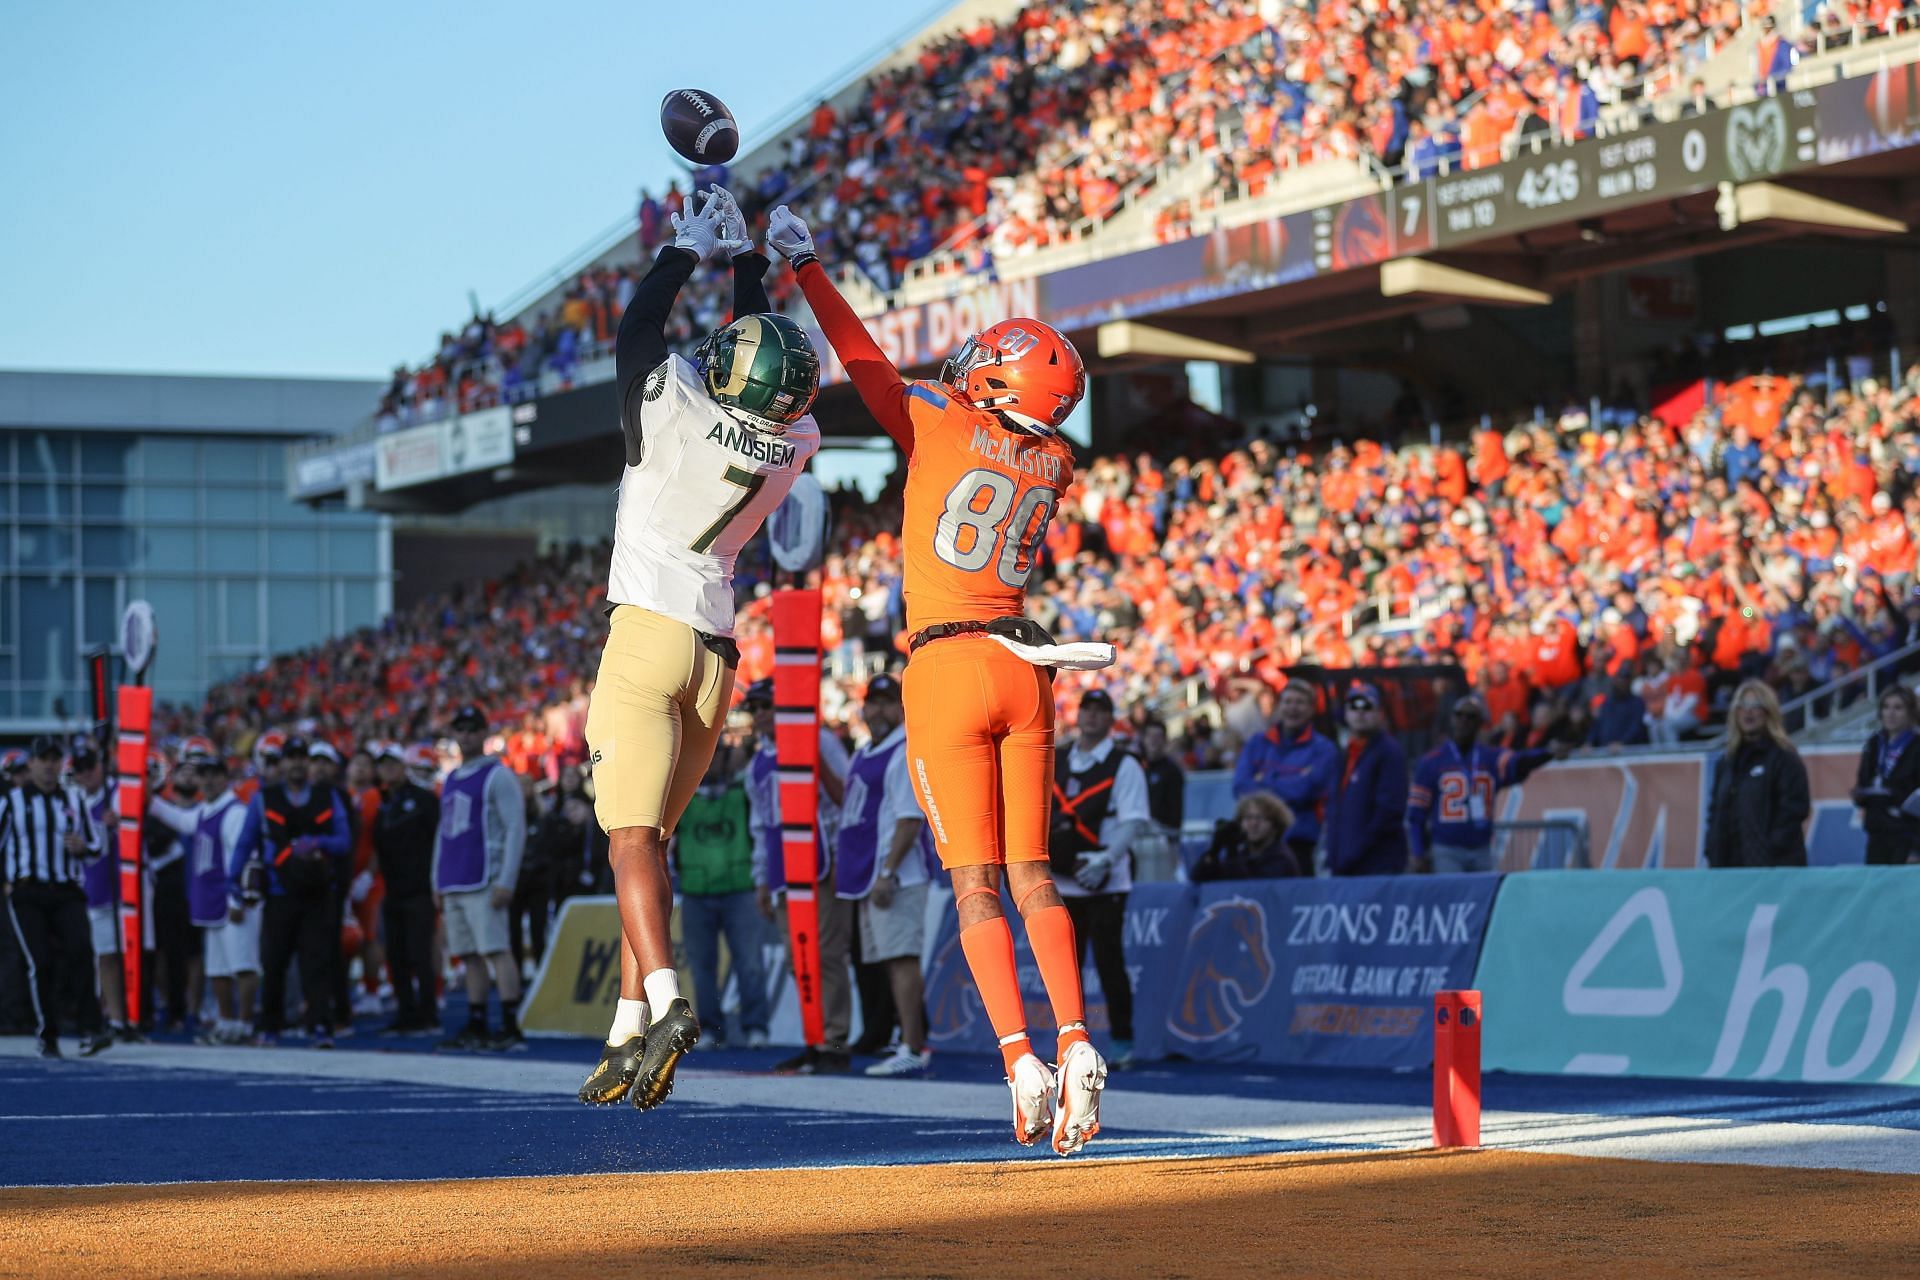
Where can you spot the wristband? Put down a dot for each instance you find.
(803, 260)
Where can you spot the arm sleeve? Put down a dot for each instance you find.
(233, 830)
(1869, 757)
(338, 841)
(246, 848)
(1419, 807)
(749, 284)
(1794, 805)
(172, 815)
(90, 832)
(503, 797)
(881, 388)
(1243, 769)
(833, 766)
(1519, 766)
(640, 347)
(1130, 812)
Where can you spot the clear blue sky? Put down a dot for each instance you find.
(313, 189)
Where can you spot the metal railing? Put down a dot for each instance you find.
(1860, 689)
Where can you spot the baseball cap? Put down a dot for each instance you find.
(469, 714)
(391, 751)
(84, 754)
(1362, 696)
(14, 761)
(197, 750)
(760, 691)
(1096, 698)
(884, 685)
(422, 756)
(295, 746)
(324, 751)
(1471, 702)
(270, 745)
(46, 745)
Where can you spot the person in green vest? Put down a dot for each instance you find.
(713, 853)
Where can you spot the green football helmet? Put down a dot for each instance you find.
(763, 365)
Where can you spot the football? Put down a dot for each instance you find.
(699, 126)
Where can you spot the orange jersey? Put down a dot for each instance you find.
(979, 498)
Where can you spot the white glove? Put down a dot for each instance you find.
(789, 235)
(362, 886)
(700, 233)
(1092, 869)
(733, 223)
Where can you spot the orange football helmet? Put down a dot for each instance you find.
(1023, 368)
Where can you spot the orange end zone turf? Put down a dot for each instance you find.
(1488, 1213)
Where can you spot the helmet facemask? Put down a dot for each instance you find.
(761, 367)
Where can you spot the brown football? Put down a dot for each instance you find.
(699, 126)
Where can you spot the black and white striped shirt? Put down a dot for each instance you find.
(34, 825)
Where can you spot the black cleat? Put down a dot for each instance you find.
(468, 1041)
(505, 1041)
(668, 1040)
(95, 1043)
(619, 1064)
(49, 1048)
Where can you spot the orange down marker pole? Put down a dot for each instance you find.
(796, 719)
(1456, 1069)
(135, 718)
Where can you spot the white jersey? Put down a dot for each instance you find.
(702, 488)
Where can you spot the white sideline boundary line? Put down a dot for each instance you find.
(1722, 1140)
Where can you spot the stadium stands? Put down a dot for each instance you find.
(1769, 532)
(999, 140)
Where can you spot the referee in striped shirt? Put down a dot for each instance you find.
(46, 840)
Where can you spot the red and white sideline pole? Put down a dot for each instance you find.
(796, 719)
(1456, 1069)
(134, 705)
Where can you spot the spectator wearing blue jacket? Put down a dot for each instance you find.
(1367, 812)
(1621, 718)
(1450, 810)
(1292, 761)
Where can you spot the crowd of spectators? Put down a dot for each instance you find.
(1003, 137)
(1601, 584)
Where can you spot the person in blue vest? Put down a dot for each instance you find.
(1294, 762)
(298, 834)
(214, 830)
(881, 855)
(832, 1054)
(1451, 804)
(476, 864)
(1367, 812)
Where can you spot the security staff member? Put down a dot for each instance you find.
(301, 834)
(404, 832)
(46, 840)
(1099, 809)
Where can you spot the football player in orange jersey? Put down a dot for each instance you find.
(986, 466)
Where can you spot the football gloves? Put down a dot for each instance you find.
(733, 223)
(789, 235)
(702, 231)
(1092, 869)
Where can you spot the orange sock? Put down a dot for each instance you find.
(989, 950)
(1050, 934)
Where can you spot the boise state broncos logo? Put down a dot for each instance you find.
(1359, 235)
(1227, 948)
(953, 1005)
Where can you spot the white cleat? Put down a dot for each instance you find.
(1076, 1112)
(1032, 1086)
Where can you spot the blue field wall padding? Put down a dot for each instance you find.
(1767, 974)
(1315, 972)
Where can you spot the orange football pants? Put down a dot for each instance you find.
(980, 750)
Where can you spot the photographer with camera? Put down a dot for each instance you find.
(1250, 845)
(1099, 809)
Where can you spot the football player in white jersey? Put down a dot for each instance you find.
(713, 445)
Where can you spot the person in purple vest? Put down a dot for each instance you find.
(880, 861)
(476, 864)
(298, 834)
(214, 830)
(88, 770)
(832, 1055)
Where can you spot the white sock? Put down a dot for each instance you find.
(629, 1020)
(663, 988)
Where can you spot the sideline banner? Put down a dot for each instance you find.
(1766, 974)
(1325, 972)
(1155, 930)
(574, 992)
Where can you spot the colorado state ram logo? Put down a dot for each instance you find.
(1227, 948)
